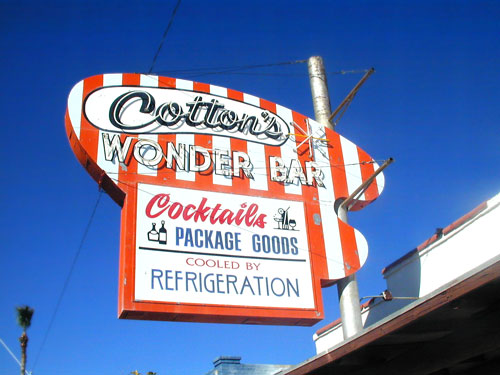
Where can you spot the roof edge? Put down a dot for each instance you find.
(440, 232)
(471, 280)
(338, 321)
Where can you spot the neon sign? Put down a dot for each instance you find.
(227, 199)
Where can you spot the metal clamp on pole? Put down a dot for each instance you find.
(386, 295)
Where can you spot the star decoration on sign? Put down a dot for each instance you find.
(308, 137)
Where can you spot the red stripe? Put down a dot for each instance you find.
(131, 79)
(241, 183)
(270, 106)
(275, 188)
(349, 248)
(236, 95)
(166, 175)
(337, 164)
(202, 87)
(316, 240)
(204, 179)
(366, 171)
(129, 176)
(347, 236)
(167, 82)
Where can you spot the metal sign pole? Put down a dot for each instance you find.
(350, 311)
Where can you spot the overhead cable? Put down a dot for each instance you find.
(164, 35)
(238, 70)
(68, 277)
(229, 69)
(13, 356)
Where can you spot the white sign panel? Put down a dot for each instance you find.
(211, 248)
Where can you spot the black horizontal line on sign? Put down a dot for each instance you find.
(218, 255)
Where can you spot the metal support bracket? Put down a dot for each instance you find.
(347, 204)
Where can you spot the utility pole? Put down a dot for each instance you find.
(350, 310)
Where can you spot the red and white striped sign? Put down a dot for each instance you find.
(135, 131)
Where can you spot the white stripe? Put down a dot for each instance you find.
(250, 99)
(148, 154)
(217, 90)
(220, 143)
(150, 81)
(111, 167)
(112, 80)
(362, 247)
(75, 107)
(187, 140)
(183, 84)
(380, 179)
(288, 152)
(352, 167)
(256, 153)
(223, 144)
(329, 219)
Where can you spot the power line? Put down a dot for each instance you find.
(66, 282)
(237, 70)
(165, 35)
(235, 67)
(13, 356)
(229, 69)
(340, 72)
(352, 71)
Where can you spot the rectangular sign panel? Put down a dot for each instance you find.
(201, 247)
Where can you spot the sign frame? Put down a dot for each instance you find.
(84, 137)
(131, 308)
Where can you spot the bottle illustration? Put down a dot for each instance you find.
(162, 234)
(153, 234)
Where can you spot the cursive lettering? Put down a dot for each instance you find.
(197, 113)
(247, 215)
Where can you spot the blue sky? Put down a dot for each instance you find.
(432, 105)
